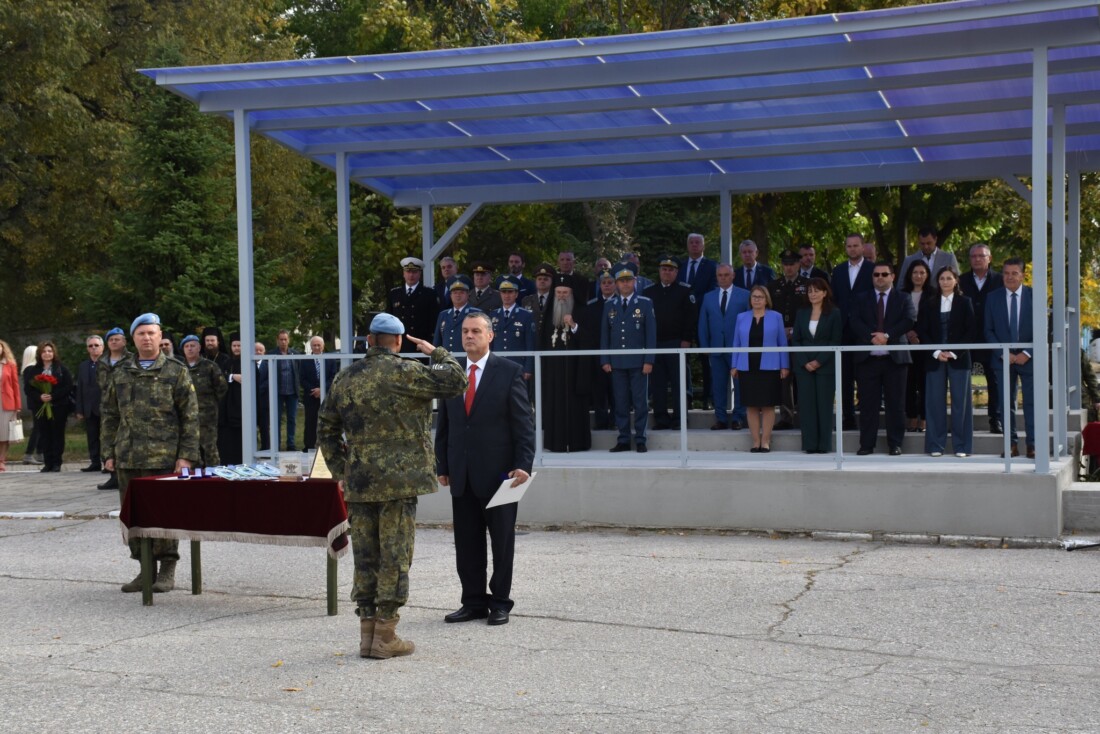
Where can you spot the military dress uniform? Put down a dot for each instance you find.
(417, 309)
(374, 429)
(514, 329)
(788, 298)
(487, 300)
(150, 420)
(448, 328)
(628, 323)
(677, 318)
(210, 388)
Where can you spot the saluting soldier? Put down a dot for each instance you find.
(412, 303)
(483, 296)
(628, 323)
(677, 318)
(210, 388)
(789, 296)
(374, 430)
(448, 326)
(514, 326)
(150, 427)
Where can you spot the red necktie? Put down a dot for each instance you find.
(471, 389)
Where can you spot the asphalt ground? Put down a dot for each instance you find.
(613, 631)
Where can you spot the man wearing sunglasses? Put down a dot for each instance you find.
(880, 318)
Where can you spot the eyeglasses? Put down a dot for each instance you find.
(881, 275)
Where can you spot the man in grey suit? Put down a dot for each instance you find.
(483, 438)
(928, 239)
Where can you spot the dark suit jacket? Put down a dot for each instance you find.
(962, 328)
(477, 451)
(87, 389)
(843, 293)
(829, 333)
(899, 319)
(706, 276)
(761, 276)
(996, 324)
(970, 289)
(307, 374)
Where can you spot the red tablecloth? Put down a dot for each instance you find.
(309, 513)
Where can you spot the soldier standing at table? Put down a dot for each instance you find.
(150, 427)
(210, 388)
(382, 404)
(788, 294)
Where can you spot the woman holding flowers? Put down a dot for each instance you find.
(49, 386)
(10, 401)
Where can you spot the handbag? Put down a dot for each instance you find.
(15, 429)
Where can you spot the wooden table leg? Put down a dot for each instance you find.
(330, 584)
(147, 572)
(196, 568)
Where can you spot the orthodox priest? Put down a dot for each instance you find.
(566, 381)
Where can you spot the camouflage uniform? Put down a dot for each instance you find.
(150, 419)
(382, 404)
(210, 388)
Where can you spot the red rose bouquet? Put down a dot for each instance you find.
(45, 384)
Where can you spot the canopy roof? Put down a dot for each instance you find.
(929, 93)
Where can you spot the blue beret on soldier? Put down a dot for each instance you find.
(385, 323)
(188, 338)
(115, 331)
(145, 318)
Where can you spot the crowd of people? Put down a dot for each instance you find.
(696, 301)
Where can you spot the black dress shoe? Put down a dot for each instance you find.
(111, 483)
(736, 425)
(640, 448)
(719, 426)
(620, 447)
(996, 427)
(754, 450)
(466, 614)
(498, 616)
(91, 468)
(865, 452)
(895, 451)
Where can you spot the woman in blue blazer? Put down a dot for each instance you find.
(760, 373)
(943, 320)
(820, 325)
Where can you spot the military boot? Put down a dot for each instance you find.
(386, 643)
(166, 577)
(366, 636)
(135, 585)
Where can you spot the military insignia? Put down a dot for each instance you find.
(692, 298)
(611, 314)
(637, 312)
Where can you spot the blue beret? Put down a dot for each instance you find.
(145, 318)
(114, 331)
(385, 323)
(188, 338)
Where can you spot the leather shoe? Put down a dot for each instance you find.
(498, 616)
(783, 426)
(1015, 451)
(1031, 452)
(865, 452)
(895, 451)
(736, 425)
(111, 483)
(466, 614)
(619, 447)
(93, 467)
(719, 426)
(641, 448)
(995, 427)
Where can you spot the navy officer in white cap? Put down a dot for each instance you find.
(412, 303)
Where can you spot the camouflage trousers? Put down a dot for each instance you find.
(382, 539)
(208, 450)
(163, 548)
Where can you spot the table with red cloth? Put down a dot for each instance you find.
(273, 512)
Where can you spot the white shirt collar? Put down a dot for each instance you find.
(480, 364)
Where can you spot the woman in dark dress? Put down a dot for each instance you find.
(919, 287)
(815, 372)
(55, 404)
(760, 373)
(565, 380)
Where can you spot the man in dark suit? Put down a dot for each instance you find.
(883, 316)
(447, 270)
(516, 264)
(717, 321)
(263, 405)
(88, 398)
(483, 296)
(484, 437)
(698, 272)
(1008, 319)
(807, 264)
(677, 319)
(976, 284)
(751, 272)
(850, 278)
(412, 303)
(309, 373)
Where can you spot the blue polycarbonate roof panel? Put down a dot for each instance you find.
(636, 114)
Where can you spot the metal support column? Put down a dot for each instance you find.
(343, 256)
(1073, 346)
(1040, 362)
(727, 229)
(1060, 400)
(242, 146)
(427, 277)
